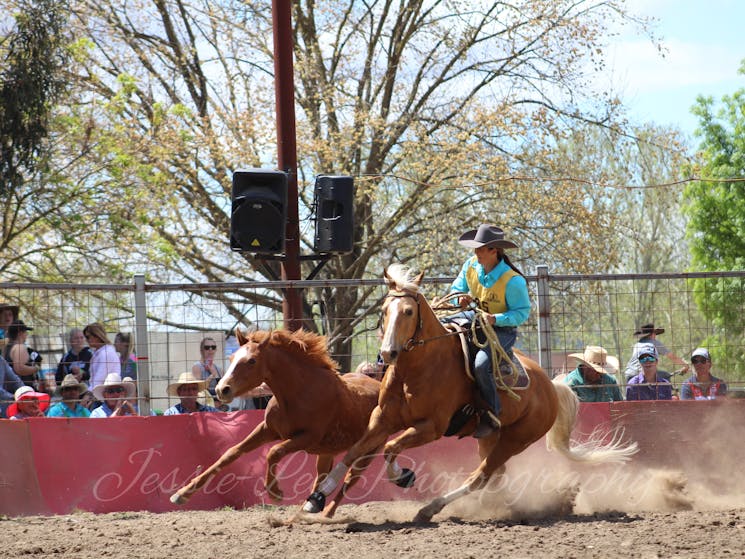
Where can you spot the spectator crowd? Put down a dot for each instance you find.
(98, 378)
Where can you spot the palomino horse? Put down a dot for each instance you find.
(314, 408)
(426, 384)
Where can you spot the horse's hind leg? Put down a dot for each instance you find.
(259, 436)
(495, 460)
(300, 441)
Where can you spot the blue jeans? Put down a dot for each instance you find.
(482, 368)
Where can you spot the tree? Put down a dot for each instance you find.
(433, 106)
(30, 82)
(715, 207)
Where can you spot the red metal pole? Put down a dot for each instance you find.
(284, 93)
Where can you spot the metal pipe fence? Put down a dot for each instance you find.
(168, 321)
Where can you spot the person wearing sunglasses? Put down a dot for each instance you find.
(116, 396)
(702, 385)
(206, 368)
(649, 384)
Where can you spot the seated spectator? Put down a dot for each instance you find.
(187, 389)
(115, 395)
(25, 361)
(649, 384)
(648, 335)
(123, 346)
(593, 380)
(105, 359)
(9, 383)
(77, 360)
(70, 390)
(28, 403)
(702, 385)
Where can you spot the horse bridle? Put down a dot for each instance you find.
(400, 294)
(412, 342)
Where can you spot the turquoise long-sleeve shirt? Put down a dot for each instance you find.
(516, 291)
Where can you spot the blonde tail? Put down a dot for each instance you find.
(594, 450)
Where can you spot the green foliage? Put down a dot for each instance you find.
(715, 208)
(30, 81)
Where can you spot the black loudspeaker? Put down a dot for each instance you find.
(259, 211)
(334, 197)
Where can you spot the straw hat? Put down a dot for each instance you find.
(114, 379)
(70, 380)
(185, 378)
(24, 393)
(597, 357)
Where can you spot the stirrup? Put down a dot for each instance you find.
(488, 424)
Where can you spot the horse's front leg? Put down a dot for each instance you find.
(354, 474)
(421, 433)
(259, 436)
(358, 457)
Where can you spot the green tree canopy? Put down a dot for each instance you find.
(715, 207)
(30, 82)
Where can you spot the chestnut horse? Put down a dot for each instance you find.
(426, 385)
(314, 408)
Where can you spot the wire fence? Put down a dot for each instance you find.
(570, 312)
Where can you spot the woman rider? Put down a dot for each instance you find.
(500, 290)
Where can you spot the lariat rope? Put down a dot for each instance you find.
(481, 321)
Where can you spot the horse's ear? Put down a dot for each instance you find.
(266, 340)
(240, 336)
(419, 278)
(388, 280)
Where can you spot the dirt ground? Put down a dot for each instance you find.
(547, 513)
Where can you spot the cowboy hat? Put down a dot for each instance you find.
(113, 379)
(24, 393)
(17, 326)
(485, 236)
(597, 358)
(185, 378)
(69, 381)
(648, 329)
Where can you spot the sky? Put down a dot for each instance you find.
(705, 44)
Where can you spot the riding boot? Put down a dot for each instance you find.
(488, 421)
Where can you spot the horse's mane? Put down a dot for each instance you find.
(307, 345)
(403, 276)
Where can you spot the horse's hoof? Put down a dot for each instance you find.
(406, 479)
(177, 499)
(422, 518)
(315, 503)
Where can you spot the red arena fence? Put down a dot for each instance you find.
(57, 466)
